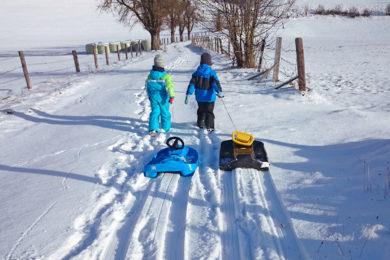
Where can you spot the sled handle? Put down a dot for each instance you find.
(242, 138)
(175, 145)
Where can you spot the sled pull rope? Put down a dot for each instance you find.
(231, 120)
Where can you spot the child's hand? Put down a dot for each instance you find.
(186, 100)
(220, 94)
(171, 100)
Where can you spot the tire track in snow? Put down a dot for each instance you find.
(253, 214)
(229, 233)
(117, 248)
(95, 231)
(250, 202)
(282, 224)
(202, 231)
(148, 237)
(175, 236)
(271, 231)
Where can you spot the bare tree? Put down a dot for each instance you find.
(190, 16)
(174, 16)
(245, 22)
(150, 13)
(181, 28)
(182, 5)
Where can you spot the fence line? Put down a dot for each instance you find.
(12, 80)
(9, 71)
(7, 59)
(214, 43)
(64, 66)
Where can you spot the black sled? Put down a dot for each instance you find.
(243, 151)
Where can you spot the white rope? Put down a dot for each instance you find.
(231, 120)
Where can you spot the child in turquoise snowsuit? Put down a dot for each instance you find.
(160, 91)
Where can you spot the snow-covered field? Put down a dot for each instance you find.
(73, 150)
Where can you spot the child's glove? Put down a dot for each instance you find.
(171, 100)
(186, 100)
(220, 94)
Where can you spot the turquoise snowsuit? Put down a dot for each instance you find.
(159, 87)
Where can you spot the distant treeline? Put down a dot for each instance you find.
(352, 12)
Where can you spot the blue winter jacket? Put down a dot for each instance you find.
(205, 83)
(159, 86)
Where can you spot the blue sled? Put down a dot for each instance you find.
(177, 158)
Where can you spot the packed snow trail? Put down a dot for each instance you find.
(211, 215)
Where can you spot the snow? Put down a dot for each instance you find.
(74, 146)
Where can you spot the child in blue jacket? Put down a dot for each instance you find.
(160, 91)
(206, 85)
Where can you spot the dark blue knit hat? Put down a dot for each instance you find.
(206, 59)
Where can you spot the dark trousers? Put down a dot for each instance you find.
(206, 115)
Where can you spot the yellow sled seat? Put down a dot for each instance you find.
(242, 138)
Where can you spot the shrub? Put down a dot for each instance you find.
(366, 13)
(353, 12)
(338, 10)
(320, 10)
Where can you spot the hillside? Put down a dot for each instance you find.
(74, 147)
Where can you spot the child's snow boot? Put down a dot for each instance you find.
(153, 133)
(201, 124)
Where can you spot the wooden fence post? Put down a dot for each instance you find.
(300, 64)
(76, 60)
(119, 53)
(278, 50)
(95, 57)
(25, 71)
(261, 55)
(126, 51)
(139, 47)
(107, 58)
(131, 50)
(229, 47)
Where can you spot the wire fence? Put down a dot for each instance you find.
(51, 65)
(58, 65)
(286, 61)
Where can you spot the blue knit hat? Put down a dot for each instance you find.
(206, 59)
(159, 61)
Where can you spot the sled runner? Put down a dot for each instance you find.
(177, 158)
(243, 151)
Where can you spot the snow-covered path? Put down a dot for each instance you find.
(210, 216)
(120, 214)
